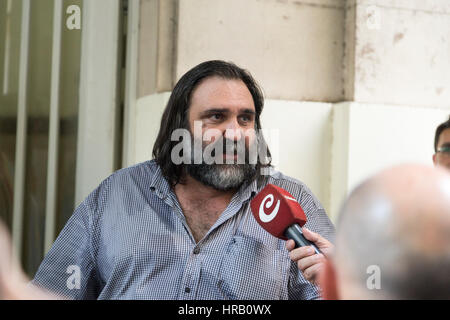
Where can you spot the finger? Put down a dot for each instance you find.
(290, 245)
(301, 253)
(323, 244)
(312, 273)
(307, 262)
(310, 235)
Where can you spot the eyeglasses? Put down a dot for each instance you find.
(444, 150)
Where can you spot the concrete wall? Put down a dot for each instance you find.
(149, 111)
(294, 48)
(398, 52)
(157, 33)
(370, 137)
(372, 51)
(302, 148)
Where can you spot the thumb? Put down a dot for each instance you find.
(323, 244)
(318, 240)
(310, 235)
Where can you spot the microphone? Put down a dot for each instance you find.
(285, 218)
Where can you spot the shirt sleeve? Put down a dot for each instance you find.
(69, 268)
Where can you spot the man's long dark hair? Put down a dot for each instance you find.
(175, 115)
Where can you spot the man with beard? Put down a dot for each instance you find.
(171, 229)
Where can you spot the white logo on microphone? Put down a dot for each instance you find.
(268, 217)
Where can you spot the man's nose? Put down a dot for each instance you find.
(233, 131)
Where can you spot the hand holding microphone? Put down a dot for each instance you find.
(279, 213)
(307, 260)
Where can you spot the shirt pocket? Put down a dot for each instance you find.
(251, 270)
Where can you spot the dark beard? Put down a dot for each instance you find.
(223, 177)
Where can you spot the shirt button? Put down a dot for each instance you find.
(196, 250)
(187, 290)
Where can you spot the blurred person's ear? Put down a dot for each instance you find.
(328, 282)
(434, 159)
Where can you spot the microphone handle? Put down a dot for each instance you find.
(295, 233)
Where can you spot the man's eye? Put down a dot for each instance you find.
(216, 116)
(245, 118)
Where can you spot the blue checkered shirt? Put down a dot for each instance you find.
(129, 240)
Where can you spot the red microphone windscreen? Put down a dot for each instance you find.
(275, 209)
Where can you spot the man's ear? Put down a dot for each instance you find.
(328, 282)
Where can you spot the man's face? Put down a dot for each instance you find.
(442, 156)
(226, 113)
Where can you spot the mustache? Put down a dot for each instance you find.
(224, 151)
(227, 147)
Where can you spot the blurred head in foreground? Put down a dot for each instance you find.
(393, 238)
(13, 282)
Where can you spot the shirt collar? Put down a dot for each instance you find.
(248, 190)
(159, 184)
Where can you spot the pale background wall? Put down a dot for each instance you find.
(370, 137)
(401, 51)
(353, 86)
